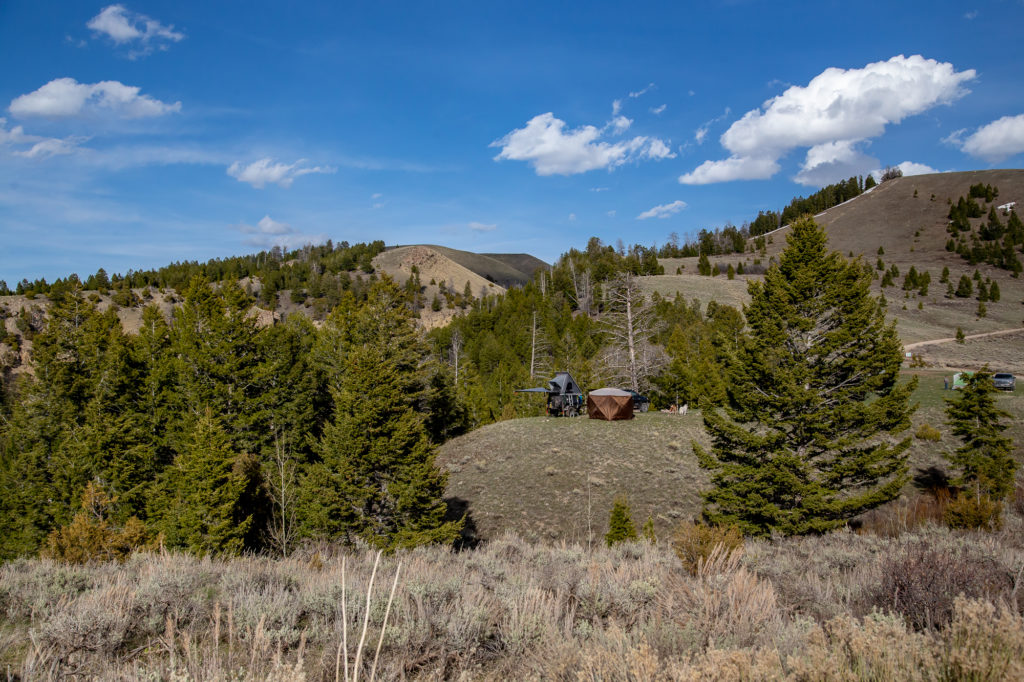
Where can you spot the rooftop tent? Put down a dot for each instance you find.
(610, 404)
(563, 384)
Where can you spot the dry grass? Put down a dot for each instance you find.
(556, 479)
(799, 609)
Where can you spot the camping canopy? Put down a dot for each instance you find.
(610, 404)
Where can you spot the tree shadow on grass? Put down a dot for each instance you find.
(458, 508)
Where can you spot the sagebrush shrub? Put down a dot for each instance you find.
(922, 581)
(928, 432)
(694, 542)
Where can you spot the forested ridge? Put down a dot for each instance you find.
(211, 433)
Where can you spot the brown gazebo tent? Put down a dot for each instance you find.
(610, 404)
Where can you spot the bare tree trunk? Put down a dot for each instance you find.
(456, 352)
(283, 489)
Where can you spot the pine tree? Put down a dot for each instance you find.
(985, 460)
(375, 477)
(620, 523)
(964, 288)
(200, 507)
(960, 335)
(806, 440)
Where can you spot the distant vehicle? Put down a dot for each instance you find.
(1004, 381)
(641, 403)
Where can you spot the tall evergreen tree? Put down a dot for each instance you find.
(805, 442)
(985, 459)
(201, 507)
(375, 476)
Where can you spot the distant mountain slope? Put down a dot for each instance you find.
(506, 269)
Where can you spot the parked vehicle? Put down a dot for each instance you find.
(1004, 381)
(641, 403)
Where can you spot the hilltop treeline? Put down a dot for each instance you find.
(732, 239)
(319, 271)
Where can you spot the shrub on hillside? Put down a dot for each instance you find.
(974, 512)
(922, 581)
(928, 432)
(620, 523)
(906, 515)
(694, 542)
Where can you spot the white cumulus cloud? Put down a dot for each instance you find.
(838, 106)
(124, 27)
(733, 168)
(66, 97)
(908, 167)
(994, 141)
(551, 149)
(831, 161)
(266, 171)
(657, 111)
(663, 211)
(483, 227)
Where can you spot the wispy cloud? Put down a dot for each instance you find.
(644, 91)
(483, 227)
(265, 171)
(269, 232)
(126, 28)
(659, 110)
(663, 211)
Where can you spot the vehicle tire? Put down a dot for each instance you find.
(644, 407)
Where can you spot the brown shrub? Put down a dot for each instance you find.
(694, 542)
(972, 512)
(906, 514)
(928, 432)
(922, 581)
(1018, 499)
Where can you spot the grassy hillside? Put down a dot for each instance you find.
(911, 230)
(556, 478)
(551, 478)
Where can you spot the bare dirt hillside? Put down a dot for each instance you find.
(907, 218)
(435, 269)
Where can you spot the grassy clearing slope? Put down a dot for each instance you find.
(889, 216)
(555, 478)
(530, 475)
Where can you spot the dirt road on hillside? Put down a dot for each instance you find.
(912, 346)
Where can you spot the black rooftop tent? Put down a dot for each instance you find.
(565, 397)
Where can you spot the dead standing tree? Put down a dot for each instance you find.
(630, 323)
(540, 350)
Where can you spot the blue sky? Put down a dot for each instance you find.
(137, 134)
